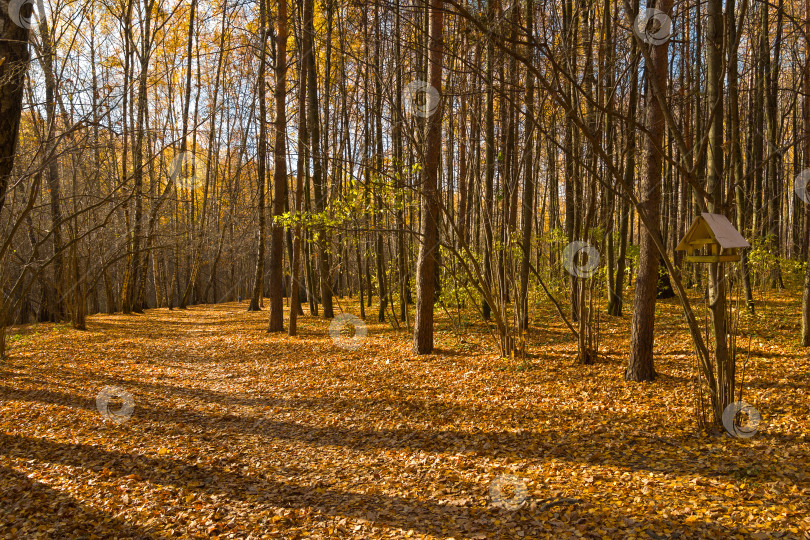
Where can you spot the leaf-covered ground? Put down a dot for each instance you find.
(237, 433)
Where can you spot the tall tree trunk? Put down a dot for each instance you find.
(772, 125)
(616, 300)
(461, 220)
(488, 206)
(756, 128)
(735, 154)
(423, 327)
(806, 158)
(261, 159)
(303, 135)
(714, 170)
(379, 254)
(571, 32)
(276, 323)
(528, 185)
(137, 161)
(183, 146)
(399, 174)
(56, 305)
(640, 366)
(317, 159)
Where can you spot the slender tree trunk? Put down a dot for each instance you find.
(461, 220)
(735, 154)
(756, 128)
(399, 174)
(488, 207)
(528, 185)
(616, 298)
(317, 158)
(806, 158)
(303, 135)
(774, 165)
(56, 305)
(261, 158)
(183, 149)
(379, 254)
(137, 161)
(570, 31)
(714, 169)
(197, 249)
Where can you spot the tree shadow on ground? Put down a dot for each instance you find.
(424, 516)
(618, 443)
(39, 511)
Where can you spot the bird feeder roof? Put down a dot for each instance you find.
(712, 228)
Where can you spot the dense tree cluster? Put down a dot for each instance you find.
(441, 154)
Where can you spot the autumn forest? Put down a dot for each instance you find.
(404, 269)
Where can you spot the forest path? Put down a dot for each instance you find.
(236, 432)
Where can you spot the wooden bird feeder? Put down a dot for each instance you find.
(712, 238)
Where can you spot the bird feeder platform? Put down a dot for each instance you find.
(712, 239)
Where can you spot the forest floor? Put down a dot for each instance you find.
(237, 433)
